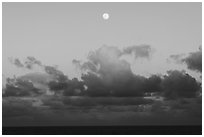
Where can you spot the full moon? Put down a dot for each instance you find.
(105, 16)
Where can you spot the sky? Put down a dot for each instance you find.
(57, 33)
(142, 66)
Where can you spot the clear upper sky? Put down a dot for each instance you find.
(57, 33)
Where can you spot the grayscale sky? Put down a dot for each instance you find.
(57, 33)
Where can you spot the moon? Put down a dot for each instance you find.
(105, 16)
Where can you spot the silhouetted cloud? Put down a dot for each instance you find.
(179, 84)
(74, 88)
(19, 87)
(96, 85)
(153, 84)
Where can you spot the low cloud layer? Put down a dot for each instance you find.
(99, 111)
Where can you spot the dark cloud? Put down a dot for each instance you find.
(179, 84)
(140, 51)
(67, 87)
(74, 88)
(95, 84)
(19, 87)
(153, 84)
(56, 86)
(193, 60)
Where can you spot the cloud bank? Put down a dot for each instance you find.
(106, 73)
(108, 92)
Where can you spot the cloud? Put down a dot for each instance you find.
(177, 58)
(85, 66)
(76, 62)
(20, 87)
(153, 84)
(106, 73)
(140, 51)
(52, 79)
(70, 111)
(193, 60)
(53, 71)
(37, 78)
(31, 61)
(113, 76)
(95, 84)
(109, 75)
(74, 88)
(28, 63)
(16, 62)
(178, 84)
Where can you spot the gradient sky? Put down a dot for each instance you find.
(57, 33)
